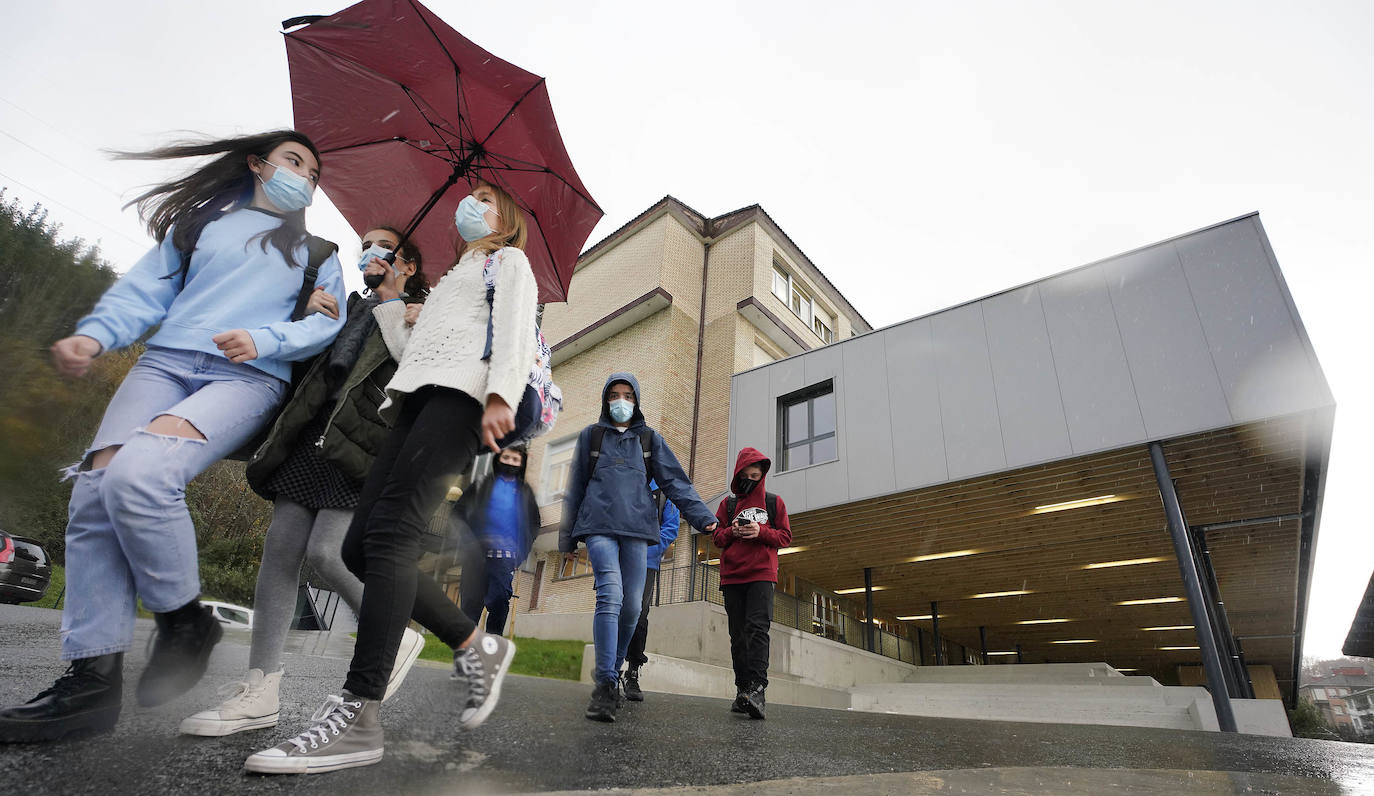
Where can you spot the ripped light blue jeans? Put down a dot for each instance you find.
(129, 533)
(619, 564)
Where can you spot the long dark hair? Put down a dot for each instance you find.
(185, 205)
(417, 284)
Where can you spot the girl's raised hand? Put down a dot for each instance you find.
(389, 288)
(323, 302)
(497, 421)
(413, 313)
(72, 356)
(236, 344)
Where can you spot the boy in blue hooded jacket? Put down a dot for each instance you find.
(608, 506)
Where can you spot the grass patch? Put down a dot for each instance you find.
(55, 585)
(561, 660)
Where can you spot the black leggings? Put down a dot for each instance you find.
(435, 439)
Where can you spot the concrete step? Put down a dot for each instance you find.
(1034, 673)
(1145, 705)
(668, 675)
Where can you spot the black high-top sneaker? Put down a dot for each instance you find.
(754, 701)
(185, 638)
(630, 683)
(602, 706)
(740, 700)
(86, 698)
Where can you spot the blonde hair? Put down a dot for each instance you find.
(513, 231)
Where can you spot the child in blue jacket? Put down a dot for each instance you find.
(608, 507)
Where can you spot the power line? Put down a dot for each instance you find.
(72, 169)
(143, 244)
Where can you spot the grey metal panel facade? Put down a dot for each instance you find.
(917, 434)
(1188, 335)
(1254, 341)
(1175, 381)
(968, 399)
(867, 417)
(1095, 381)
(1028, 401)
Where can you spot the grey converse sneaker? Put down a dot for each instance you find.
(482, 665)
(345, 733)
(252, 705)
(411, 644)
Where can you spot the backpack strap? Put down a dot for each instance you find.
(646, 444)
(320, 250)
(594, 445)
(731, 503)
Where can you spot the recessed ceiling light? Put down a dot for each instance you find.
(1003, 652)
(1152, 601)
(1174, 649)
(935, 556)
(1125, 669)
(1076, 641)
(986, 594)
(917, 618)
(1078, 504)
(858, 590)
(1169, 627)
(711, 562)
(1129, 562)
(789, 550)
(1043, 621)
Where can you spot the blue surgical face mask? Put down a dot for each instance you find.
(622, 410)
(380, 253)
(471, 219)
(287, 190)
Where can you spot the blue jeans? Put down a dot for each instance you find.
(129, 532)
(618, 564)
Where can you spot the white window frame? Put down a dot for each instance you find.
(782, 283)
(824, 330)
(551, 453)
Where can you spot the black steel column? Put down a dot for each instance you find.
(1018, 653)
(920, 649)
(868, 608)
(935, 634)
(1228, 668)
(1239, 676)
(1178, 530)
(692, 573)
(983, 642)
(1249, 684)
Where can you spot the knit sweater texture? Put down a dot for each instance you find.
(445, 346)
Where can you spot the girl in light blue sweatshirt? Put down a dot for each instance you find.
(221, 287)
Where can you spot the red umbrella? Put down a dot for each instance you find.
(409, 114)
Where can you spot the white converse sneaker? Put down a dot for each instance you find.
(411, 644)
(344, 733)
(482, 665)
(252, 705)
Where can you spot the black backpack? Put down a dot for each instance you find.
(646, 444)
(319, 250)
(770, 501)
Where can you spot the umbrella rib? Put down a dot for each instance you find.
(457, 73)
(511, 111)
(536, 168)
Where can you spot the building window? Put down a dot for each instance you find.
(576, 568)
(806, 422)
(824, 330)
(557, 465)
(782, 285)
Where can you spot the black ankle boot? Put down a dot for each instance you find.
(87, 697)
(631, 685)
(185, 638)
(740, 700)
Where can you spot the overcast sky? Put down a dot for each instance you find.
(921, 153)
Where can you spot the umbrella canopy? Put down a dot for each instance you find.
(409, 115)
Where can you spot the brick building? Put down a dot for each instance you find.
(683, 301)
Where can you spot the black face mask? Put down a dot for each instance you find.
(746, 486)
(502, 468)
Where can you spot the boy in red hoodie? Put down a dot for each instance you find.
(753, 527)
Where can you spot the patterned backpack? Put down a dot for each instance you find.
(539, 407)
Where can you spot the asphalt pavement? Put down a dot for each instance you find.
(538, 741)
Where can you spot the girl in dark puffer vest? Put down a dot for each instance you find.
(312, 468)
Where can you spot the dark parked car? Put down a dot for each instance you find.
(24, 569)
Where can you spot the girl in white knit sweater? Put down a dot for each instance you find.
(444, 403)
